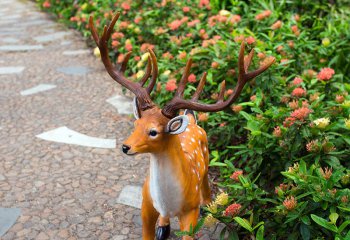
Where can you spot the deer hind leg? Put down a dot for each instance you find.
(205, 191)
(187, 220)
(149, 214)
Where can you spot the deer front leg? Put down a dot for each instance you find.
(188, 219)
(149, 214)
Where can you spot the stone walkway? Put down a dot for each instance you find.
(59, 124)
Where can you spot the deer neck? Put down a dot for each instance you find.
(166, 170)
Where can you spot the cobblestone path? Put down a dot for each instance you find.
(50, 80)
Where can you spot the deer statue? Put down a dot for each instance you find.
(177, 183)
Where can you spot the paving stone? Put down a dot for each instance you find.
(19, 48)
(51, 37)
(37, 89)
(66, 135)
(76, 70)
(11, 70)
(122, 104)
(131, 196)
(8, 217)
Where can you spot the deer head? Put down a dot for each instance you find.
(154, 126)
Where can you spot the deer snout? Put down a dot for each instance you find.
(125, 148)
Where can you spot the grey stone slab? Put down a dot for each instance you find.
(51, 37)
(8, 217)
(77, 70)
(121, 103)
(20, 48)
(11, 70)
(131, 196)
(37, 89)
(68, 136)
(76, 52)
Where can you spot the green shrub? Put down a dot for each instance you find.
(294, 116)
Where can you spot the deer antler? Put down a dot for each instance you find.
(142, 94)
(244, 76)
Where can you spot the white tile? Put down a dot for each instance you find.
(11, 70)
(18, 48)
(51, 37)
(66, 135)
(8, 217)
(122, 104)
(76, 52)
(37, 89)
(131, 196)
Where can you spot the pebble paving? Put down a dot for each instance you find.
(63, 189)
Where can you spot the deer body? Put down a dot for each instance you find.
(177, 183)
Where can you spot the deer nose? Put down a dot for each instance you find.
(125, 148)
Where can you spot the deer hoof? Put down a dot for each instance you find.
(163, 232)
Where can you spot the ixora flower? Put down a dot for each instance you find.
(210, 221)
(313, 146)
(171, 85)
(325, 74)
(46, 4)
(290, 203)
(235, 175)
(347, 123)
(203, 117)
(232, 210)
(321, 122)
(299, 92)
(326, 173)
(222, 199)
(277, 131)
(212, 207)
(297, 81)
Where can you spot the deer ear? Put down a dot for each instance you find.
(177, 125)
(136, 110)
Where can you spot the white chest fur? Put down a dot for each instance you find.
(165, 188)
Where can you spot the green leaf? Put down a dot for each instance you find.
(260, 233)
(222, 233)
(233, 235)
(343, 226)
(344, 209)
(324, 223)
(306, 220)
(199, 225)
(304, 231)
(244, 223)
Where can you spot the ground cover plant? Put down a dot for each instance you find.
(284, 151)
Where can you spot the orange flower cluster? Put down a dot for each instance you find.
(171, 85)
(236, 174)
(263, 15)
(232, 210)
(299, 92)
(297, 81)
(297, 115)
(290, 203)
(326, 173)
(325, 74)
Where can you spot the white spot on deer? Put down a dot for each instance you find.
(187, 129)
(196, 187)
(192, 139)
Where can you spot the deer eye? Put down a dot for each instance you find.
(153, 133)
